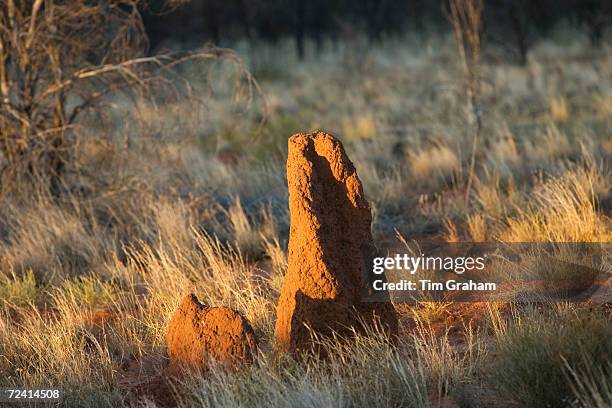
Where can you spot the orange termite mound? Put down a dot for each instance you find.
(198, 334)
(330, 247)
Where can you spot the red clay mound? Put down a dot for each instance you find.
(198, 334)
(330, 246)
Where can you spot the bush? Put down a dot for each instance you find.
(63, 61)
(18, 290)
(535, 358)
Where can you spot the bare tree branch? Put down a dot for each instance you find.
(79, 51)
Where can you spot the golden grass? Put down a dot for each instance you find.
(165, 217)
(603, 105)
(559, 109)
(560, 210)
(362, 126)
(437, 161)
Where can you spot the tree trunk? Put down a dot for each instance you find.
(299, 28)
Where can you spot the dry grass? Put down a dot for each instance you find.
(438, 161)
(534, 355)
(88, 281)
(367, 371)
(559, 109)
(561, 210)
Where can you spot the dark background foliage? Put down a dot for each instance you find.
(517, 24)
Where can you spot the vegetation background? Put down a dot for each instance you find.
(138, 164)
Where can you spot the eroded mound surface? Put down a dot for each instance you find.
(330, 246)
(198, 334)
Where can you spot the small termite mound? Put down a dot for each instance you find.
(198, 335)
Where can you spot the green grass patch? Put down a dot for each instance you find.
(90, 291)
(16, 291)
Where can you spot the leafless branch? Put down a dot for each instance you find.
(82, 51)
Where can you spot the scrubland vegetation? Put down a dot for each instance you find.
(166, 197)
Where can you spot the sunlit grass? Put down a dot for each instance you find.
(89, 281)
